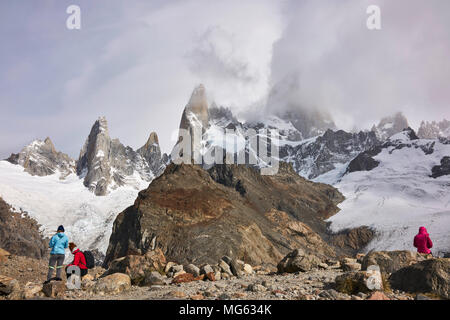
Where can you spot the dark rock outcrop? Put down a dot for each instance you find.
(429, 276)
(20, 235)
(197, 216)
(365, 161)
(441, 170)
(322, 154)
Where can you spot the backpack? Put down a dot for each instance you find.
(90, 260)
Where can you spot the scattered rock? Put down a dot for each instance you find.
(351, 266)
(360, 281)
(54, 289)
(256, 287)
(248, 269)
(169, 266)
(378, 295)
(205, 269)
(137, 266)
(391, 261)
(197, 297)
(4, 255)
(30, 290)
(224, 267)
(154, 279)
(210, 276)
(177, 294)
(422, 297)
(183, 278)
(190, 268)
(429, 276)
(8, 285)
(297, 261)
(112, 284)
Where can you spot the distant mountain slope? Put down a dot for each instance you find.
(398, 194)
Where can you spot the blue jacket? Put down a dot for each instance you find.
(59, 243)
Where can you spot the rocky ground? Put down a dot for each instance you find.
(314, 285)
(296, 277)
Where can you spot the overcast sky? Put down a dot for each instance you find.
(137, 62)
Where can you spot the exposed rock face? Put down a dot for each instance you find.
(315, 157)
(434, 130)
(429, 276)
(298, 261)
(391, 261)
(365, 161)
(353, 240)
(389, 126)
(195, 118)
(105, 163)
(20, 235)
(443, 169)
(197, 216)
(40, 158)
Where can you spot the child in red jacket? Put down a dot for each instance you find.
(79, 260)
(422, 241)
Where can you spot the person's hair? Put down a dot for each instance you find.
(72, 245)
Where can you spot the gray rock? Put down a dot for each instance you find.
(225, 267)
(206, 269)
(256, 287)
(154, 278)
(190, 268)
(297, 261)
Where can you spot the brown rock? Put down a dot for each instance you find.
(197, 297)
(298, 260)
(183, 278)
(30, 290)
(112, 284)
(210, 276)
(177, 294)
(200, 277)
(378, 295)
(55, 289)
(391, 261)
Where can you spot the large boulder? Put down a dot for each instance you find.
(391, 261)
(137, 266)
(429, 276)
(297, 261)
(4, 255)
(112, 284)
(8, 285)
(55, 289)
(360, 281)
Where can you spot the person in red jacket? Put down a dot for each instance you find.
(422, 241)
(78, 260)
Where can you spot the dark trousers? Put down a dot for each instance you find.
(58, 260)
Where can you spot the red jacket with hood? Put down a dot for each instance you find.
(422, 241)
(79, 259)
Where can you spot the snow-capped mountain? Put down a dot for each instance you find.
(106, 164)
(84, 195)
(389, 126)
(40, 158)
(395, 188)
(434, 130)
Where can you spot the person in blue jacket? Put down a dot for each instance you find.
(58, 243)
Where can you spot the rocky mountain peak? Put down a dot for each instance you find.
(196, 111)
(434, 130)
(40, 158)
(390, 125)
